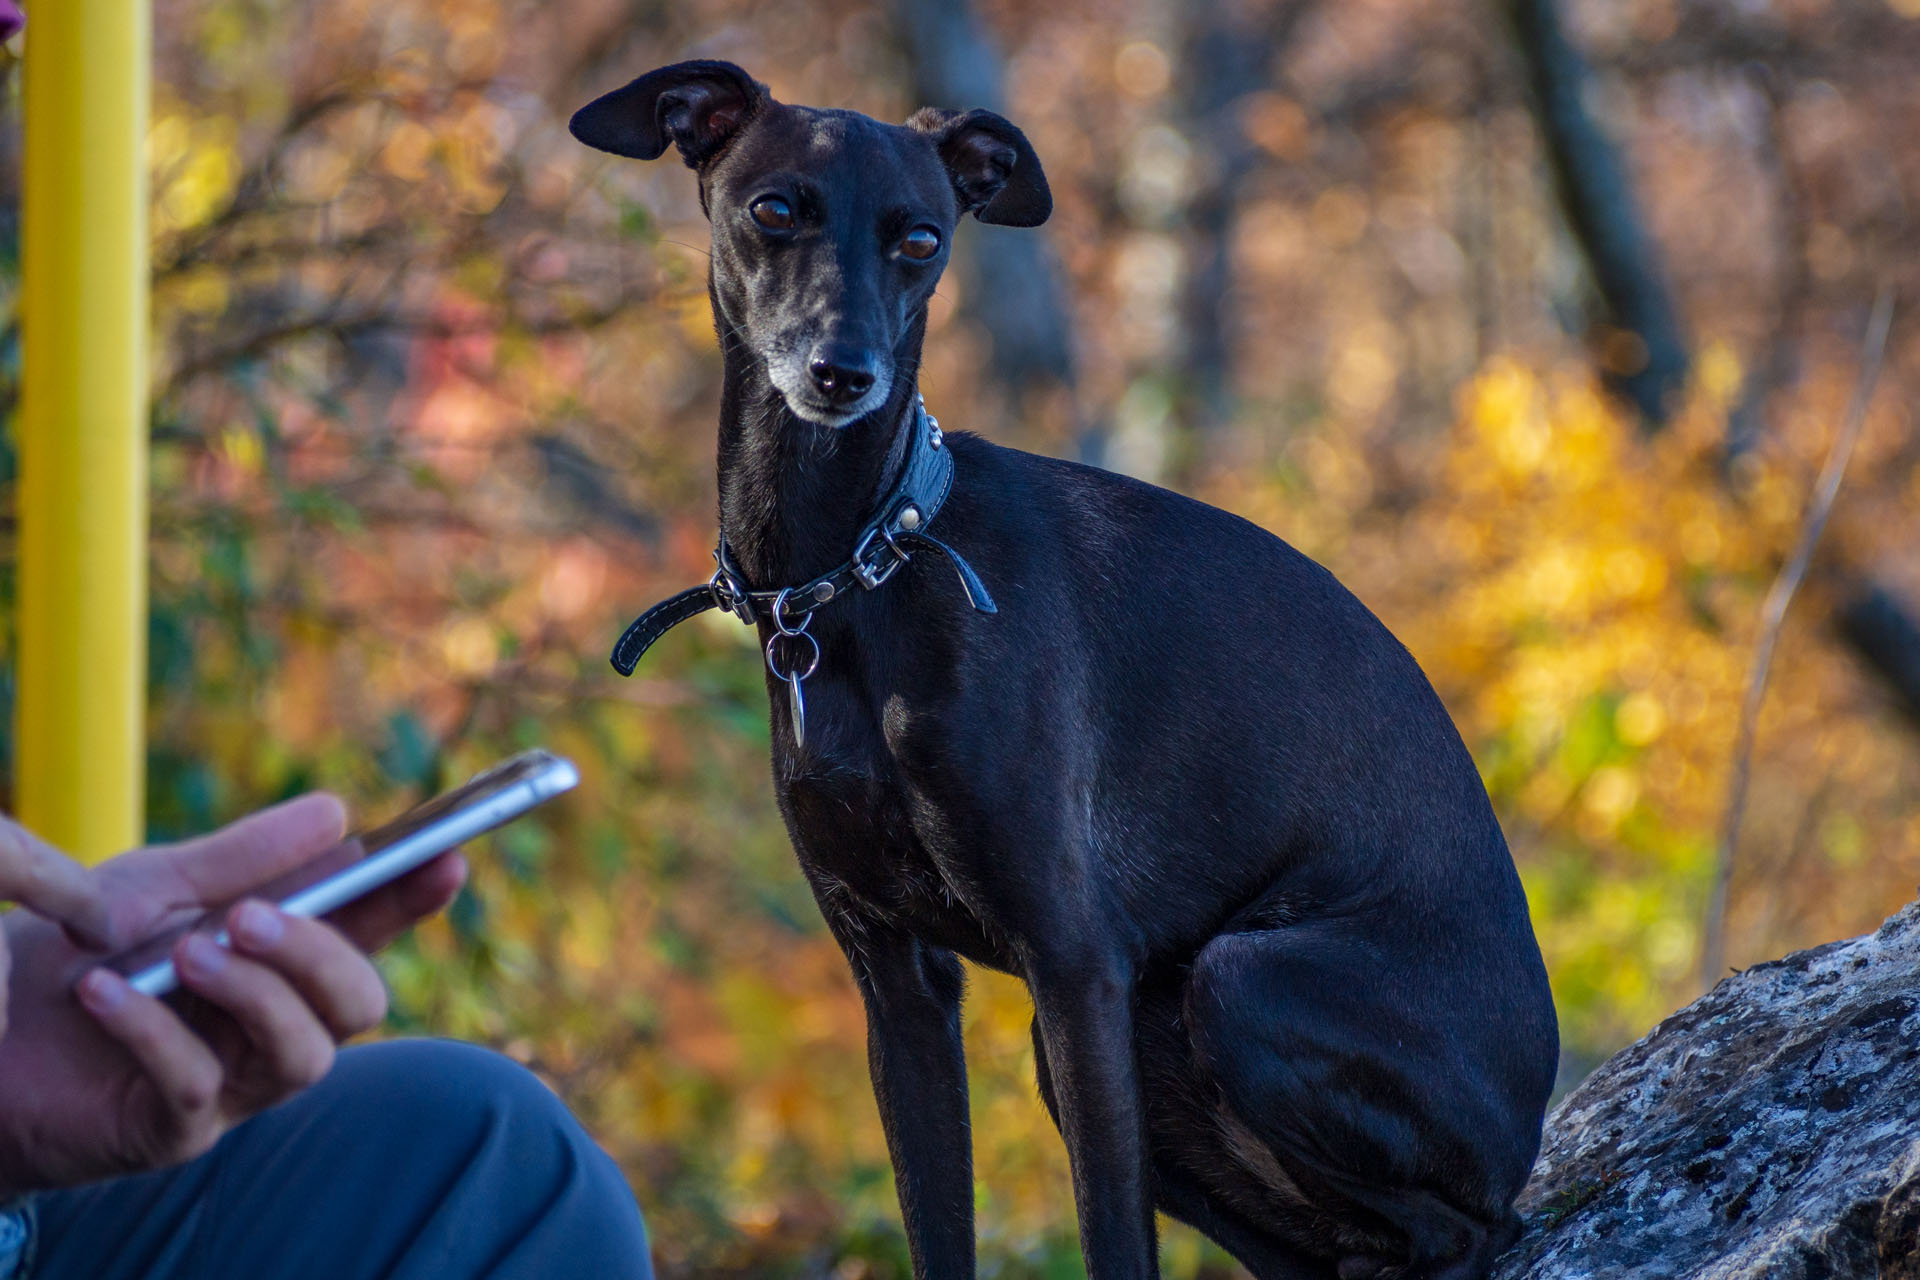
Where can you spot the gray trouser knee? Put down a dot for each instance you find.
(413, 1159)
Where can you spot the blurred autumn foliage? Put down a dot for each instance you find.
(434, 404)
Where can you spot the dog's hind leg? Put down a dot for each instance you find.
(1336, 1056)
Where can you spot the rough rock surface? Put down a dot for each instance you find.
(1770, 1129)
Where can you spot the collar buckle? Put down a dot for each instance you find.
(729, 593)
(871, 573)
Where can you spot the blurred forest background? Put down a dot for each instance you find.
(1534, 321)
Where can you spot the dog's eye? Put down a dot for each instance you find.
(920, 243)
(773, 213)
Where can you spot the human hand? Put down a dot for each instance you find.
(39, 877)
(114, 1081)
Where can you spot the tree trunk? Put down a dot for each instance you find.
(1645, 355)
(1012, 285)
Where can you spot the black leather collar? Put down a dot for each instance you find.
(897, 529)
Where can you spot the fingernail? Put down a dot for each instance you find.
(257, 926)
(103, 991)
(203, 955)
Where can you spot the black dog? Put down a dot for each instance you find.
(1182, 782)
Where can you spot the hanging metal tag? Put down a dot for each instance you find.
(798, 702)
(796, 671)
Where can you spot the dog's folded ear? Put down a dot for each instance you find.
(995, 174)
(697, 106)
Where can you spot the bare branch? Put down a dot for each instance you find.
(1772, 614)
(336, 322)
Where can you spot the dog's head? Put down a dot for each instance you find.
(830, 228)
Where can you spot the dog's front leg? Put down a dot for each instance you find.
(1083, 1002)
(915, 1054)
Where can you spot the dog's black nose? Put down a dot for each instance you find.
(842, 374)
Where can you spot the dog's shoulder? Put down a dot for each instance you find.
(1106, 514)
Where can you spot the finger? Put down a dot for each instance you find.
(182, 1069)
(246, 854)
(384, 914)
(37, 875)
(294, 1049)
(330, 973)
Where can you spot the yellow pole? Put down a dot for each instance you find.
(79, 749)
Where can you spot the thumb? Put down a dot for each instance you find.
(45, 880)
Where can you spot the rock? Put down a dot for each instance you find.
(1770, 1129)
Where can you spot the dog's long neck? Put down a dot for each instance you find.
(793, 493)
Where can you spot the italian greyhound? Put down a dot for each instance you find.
(1074, 727)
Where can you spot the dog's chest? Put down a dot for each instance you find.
(870, 848)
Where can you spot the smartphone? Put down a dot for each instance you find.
(362, 863)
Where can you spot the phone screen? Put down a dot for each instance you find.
(365, 861)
